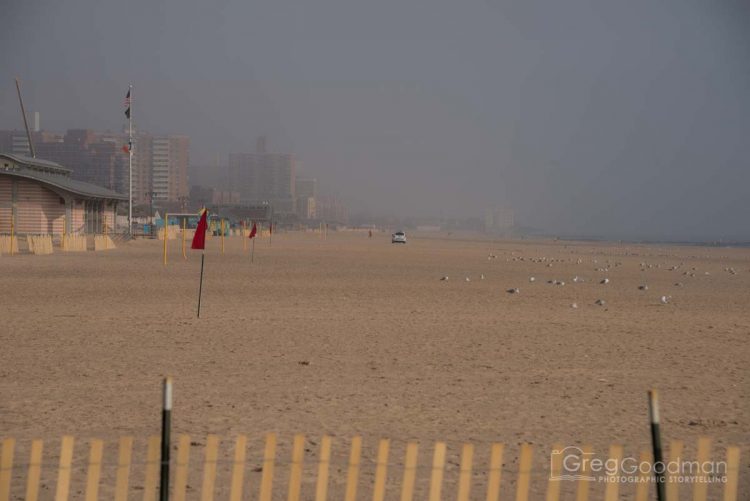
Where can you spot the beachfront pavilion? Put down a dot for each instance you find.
(38, 197)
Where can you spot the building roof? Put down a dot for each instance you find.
(36, 163)
(55, 176)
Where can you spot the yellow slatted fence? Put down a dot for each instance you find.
(238, 468)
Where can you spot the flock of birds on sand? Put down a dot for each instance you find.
(664, 299)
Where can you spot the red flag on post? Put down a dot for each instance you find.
(199, 239)
(254, 231)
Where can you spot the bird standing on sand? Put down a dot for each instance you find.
(604, 281)
(515, 290)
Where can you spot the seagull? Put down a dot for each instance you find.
(643, 287)
(665, 299)
(576, 279)
(444, 278)
(513, 291)
(600, 302)
(468, 279)
(531, 279)
(604, 281)
(574, 305)
(678, 284)
(481, 277)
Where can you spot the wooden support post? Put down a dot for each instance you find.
(464, 476)
(321, 486)
(495, 473)
(410, 471)
(238, 468)
(582, 491)
(556, 465)
(63, 474)
(524, 472)
(700, 489)
(124, 457)
(381, 470)
(166, 439)
(184, 238)
(675, 457)
(269, 457)
(35, 471)
(438, 468)
(352, 476)
(295, 469)
(644, 476)
(221, 229)
(6, 468)
(95, 470)
(209, 468)
(733, 473)
(181, 468)
(152, 468)
(611, 491)
(166, 237)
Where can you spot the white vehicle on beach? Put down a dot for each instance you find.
(398, 238)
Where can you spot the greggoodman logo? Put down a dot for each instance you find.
(572, 463)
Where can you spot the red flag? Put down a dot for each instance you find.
(125, 149)
(199, 240)
(253, 232)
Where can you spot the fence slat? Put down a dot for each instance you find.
(269, 457)
(209, 468)
(295, 469)
(63, 473)
(410, 471)
(381, 470)
(95, 470)
(613, 486)
(238, 466)
(35, 471)
(352, 476)
(582, 493)
(464, 475)
(700, 488)
(6, 468)
(438, 469)
(675, 455)
(124, 457)
(554, 483)
(321, 486)
(524, 472)
(733, 473)
(181, 468)
(644, 477)
(152, 468)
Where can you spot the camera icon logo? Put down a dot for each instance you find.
(571, 463)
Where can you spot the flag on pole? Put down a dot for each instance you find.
(199, 239)
(126, 149)
(254, 231)
(127, 104)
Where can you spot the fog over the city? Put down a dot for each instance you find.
(622, 119)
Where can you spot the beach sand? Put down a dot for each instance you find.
(356, 336)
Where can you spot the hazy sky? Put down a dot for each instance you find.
(613, 118)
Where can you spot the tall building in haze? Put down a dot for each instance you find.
(264, 177)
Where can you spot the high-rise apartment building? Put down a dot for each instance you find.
(264, 177)
(160, 163)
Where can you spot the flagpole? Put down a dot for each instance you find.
(130, 161)
(200, 287)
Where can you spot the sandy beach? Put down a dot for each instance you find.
(356, 336)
